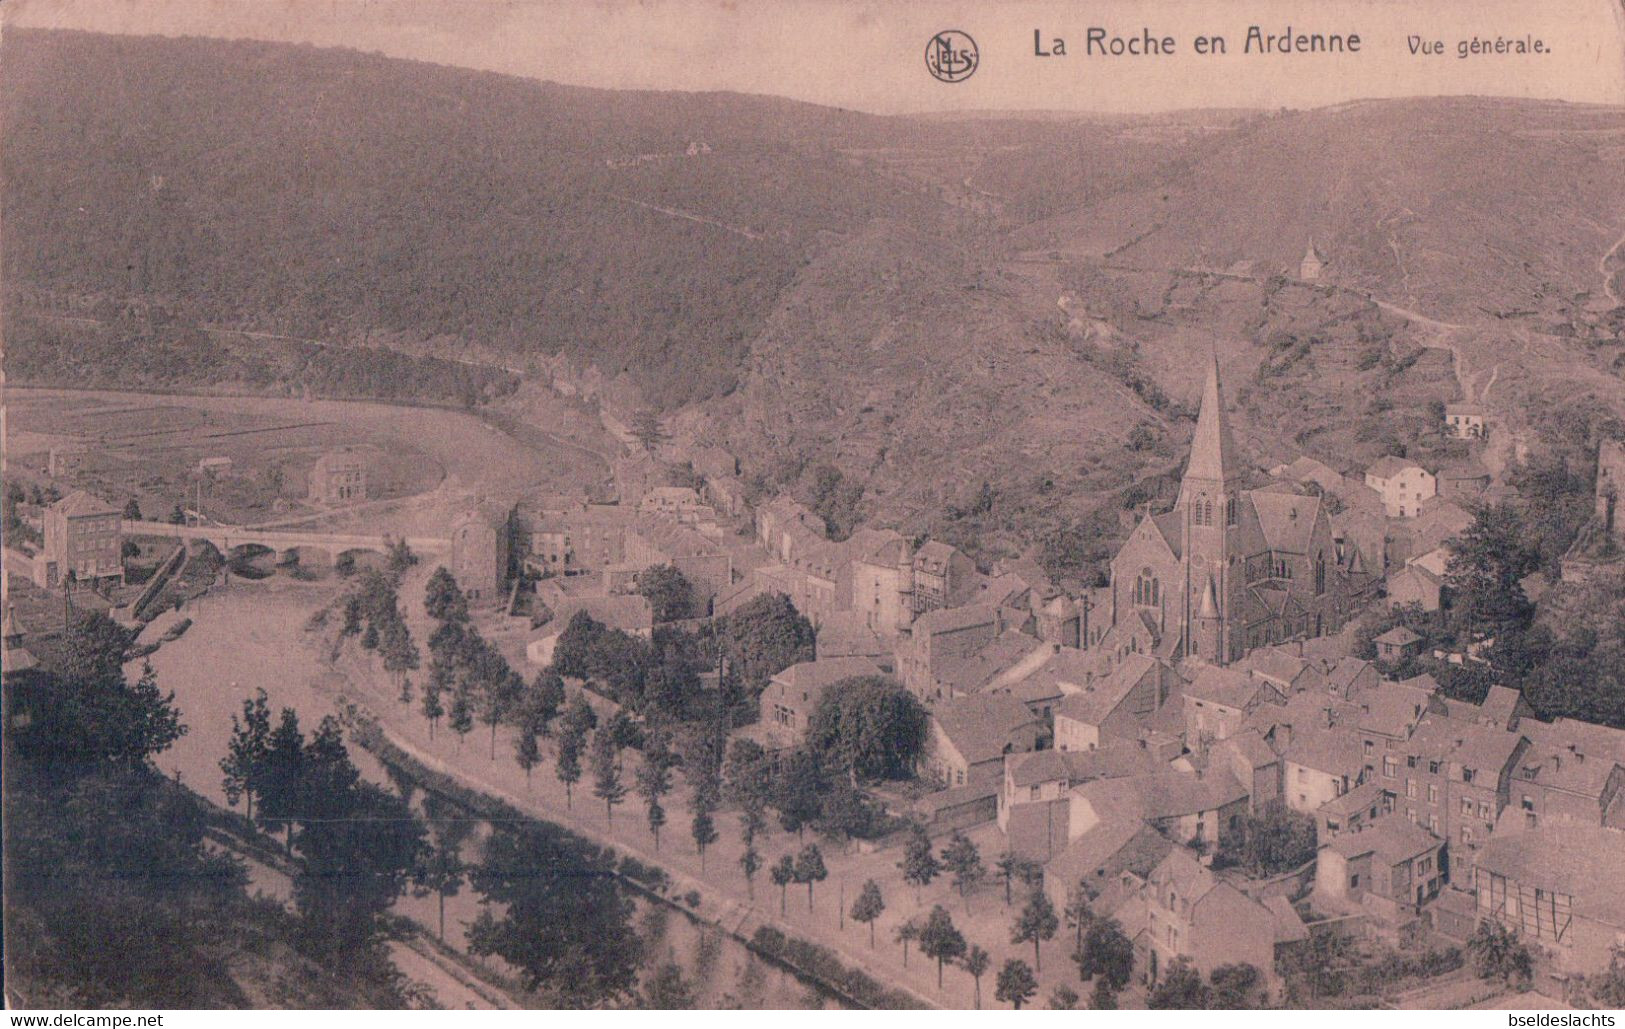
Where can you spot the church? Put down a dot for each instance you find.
(1230, 568)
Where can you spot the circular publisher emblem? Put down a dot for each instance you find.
(951, 56)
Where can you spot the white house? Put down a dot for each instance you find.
(1403, 485)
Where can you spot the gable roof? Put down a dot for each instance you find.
(1391, 838)
(1096, 700)
(953, 619)
(1398, 636)
(1333, 751)
(1225, 686)
(1390, 466)
(979, 726)
(80, 504)
(1585, 861)
(815, 676)
(1286, 519)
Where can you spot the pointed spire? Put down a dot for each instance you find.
(1213, 452)
(1210, 603)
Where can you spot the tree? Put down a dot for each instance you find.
(1078, 915)
(1104, 998)
(527, 753)
(245, 751)
(668, 991)
(810, 869)
(566, 922)
(1012, 868)
(668, 591)
(574, 724)
(606, 773)
(443, 869)
(430, 705)
(870, 725)
(976, 962)
(1106, 952)
(941, 939)
(1180, 989)
(762, 638)
(750, 862)
(1016, 984)
(1274, 840)
(1063, 998)
(443, 600)
(867, 907)
(703, 828)
(653, 779)
(1497, 953)
(1036, 922)
(783, 874)
(1487, 563)
(961, 858)
(798, 791)
(546, 699)
(1234, 987)
(282, 781)
(461, 717)
(903, 934)
(132, 510)
(919, 864)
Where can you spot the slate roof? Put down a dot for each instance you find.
(952, 619)
(816, 675)
(79, 504)
(1585, 861)
(1388, 467)
(1333, 751)
(1095, 701)
(1391, 838)
(1226, 686)
(980, 725)
(1398, 636)
(1286, 519)
(971, 672)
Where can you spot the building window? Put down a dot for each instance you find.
(1320, 574)
(1147, 590)
(1230, 511)
(1390, 767)
(1433, 794)
(1354, 881)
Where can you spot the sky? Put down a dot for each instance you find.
(870, 56)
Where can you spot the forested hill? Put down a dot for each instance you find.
(329, 194)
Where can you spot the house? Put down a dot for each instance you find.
(1464, 420)
(786, 528)
(1319, 765)
(1389, 870)
(1558, 887)
(968, 737)
(1351, 676)
(339, 477)
(1286, 669)
(1572, 771)
(1307, 470)
(1218, 701)
(941, 575)
(1313, 264)
(1454, 779)
(938, 637)
(17, 657)
(1035, 795)
(1415, 584)
(1387, 716)
(1354, 810)
(627, 612)
(481, 539)
(1257, 767)
(1192, 913)
(1463, 481)
(1096, 860)
(845, 634)
(83, 543)
(1113, 707)
(790, 697)
(1197, 809)
(1403, 486)
(1396, 645)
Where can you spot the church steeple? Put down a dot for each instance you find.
(1213, 463)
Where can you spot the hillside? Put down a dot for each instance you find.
(927, 305)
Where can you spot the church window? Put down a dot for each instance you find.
(1230, 511)
(1147, 590)
(1320, 574)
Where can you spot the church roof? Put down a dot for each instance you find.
(1287, 519)
(1213, 451)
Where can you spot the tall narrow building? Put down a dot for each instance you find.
(1230, 567)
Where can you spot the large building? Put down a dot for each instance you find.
(1229, 569)
(339, 477)
(83, 543)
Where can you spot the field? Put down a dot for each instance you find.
(424, 463)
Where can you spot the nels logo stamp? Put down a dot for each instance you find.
(951, 56)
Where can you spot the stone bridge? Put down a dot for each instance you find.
(325, 546)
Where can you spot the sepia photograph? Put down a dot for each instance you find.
(822, 505)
